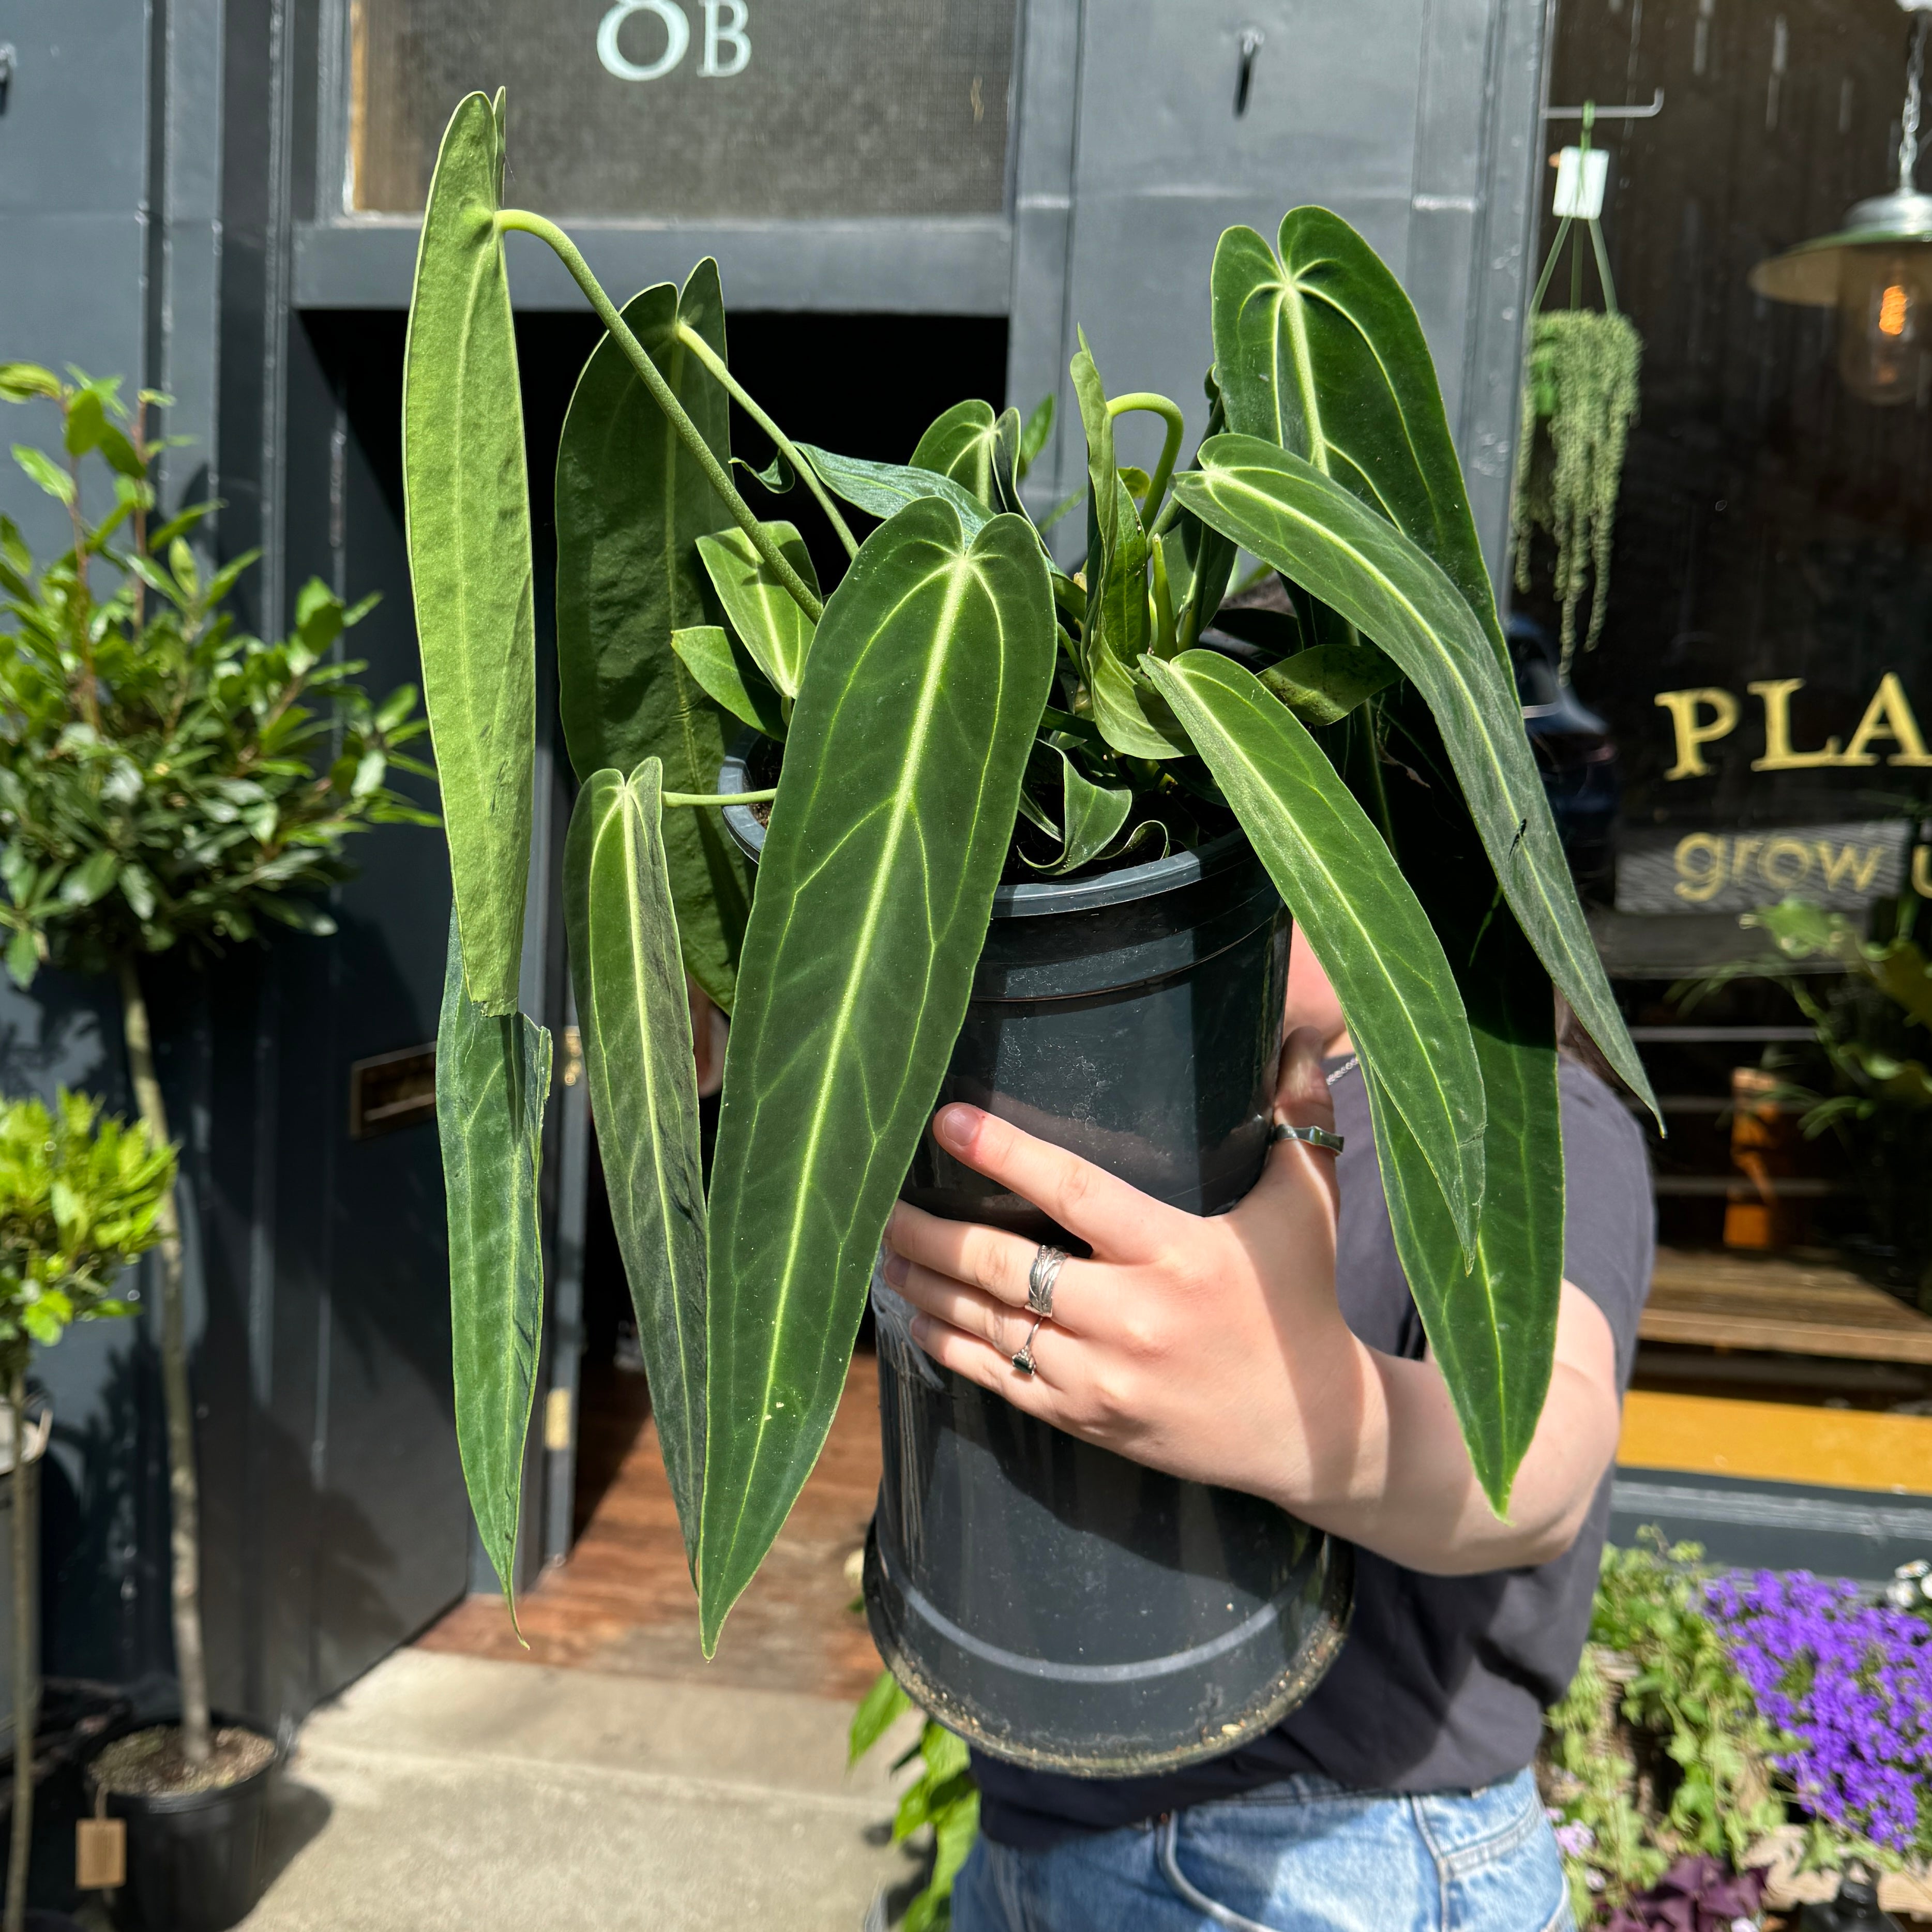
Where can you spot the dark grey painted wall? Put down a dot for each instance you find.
(1416, 120)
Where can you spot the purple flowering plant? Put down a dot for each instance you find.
(1850, 1683)
(1698, 1893)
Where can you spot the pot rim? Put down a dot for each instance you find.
(1025, 899)
(188, 1800)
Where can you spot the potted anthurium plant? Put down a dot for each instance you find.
(958, 723)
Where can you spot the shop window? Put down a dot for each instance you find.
(1750, 728)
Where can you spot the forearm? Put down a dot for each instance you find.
(1385, 1466)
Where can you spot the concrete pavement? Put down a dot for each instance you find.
(450, 1792)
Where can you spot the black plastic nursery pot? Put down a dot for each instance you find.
(1053, 1603)
(194, 1859)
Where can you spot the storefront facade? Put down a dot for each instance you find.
(996, 175)
(1763, 665)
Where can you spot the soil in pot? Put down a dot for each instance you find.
(1057, 1605)
(194, 1833)
(150, 1763)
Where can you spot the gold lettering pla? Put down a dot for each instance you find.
(1698, 883)
(1693, 734)
(1888, 716)
(1778, 755)
(1846, 864)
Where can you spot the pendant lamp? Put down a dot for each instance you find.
(1876, 271)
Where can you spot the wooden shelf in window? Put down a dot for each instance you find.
(1781, 1304)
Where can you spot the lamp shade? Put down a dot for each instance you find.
(1813, 272)
(1877, 272)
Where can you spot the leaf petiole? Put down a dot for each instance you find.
(719, 368)
(718, 797)
(1146, 401)
(662, 393)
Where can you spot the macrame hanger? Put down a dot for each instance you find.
(1581, 174)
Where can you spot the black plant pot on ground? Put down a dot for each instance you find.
(1056, 1604)
(194, 1859)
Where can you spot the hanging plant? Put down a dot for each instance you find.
(1580, 380)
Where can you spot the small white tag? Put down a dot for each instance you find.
(100, 1854)
(1580, 180)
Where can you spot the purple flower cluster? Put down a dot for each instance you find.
(1851, 1682)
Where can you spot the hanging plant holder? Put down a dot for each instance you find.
(1580, 377)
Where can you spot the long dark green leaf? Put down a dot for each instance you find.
(1309, 528)
(1331, 865)
(1319, 350)
(631, 503)
(492, 1080)
(895, 805)
(467, 513)
(1493, 1330)
(635, 1015)
(768, 623)
(884, 489)
(1118, 628)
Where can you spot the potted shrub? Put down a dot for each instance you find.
(80, 1197)
(959, 717)
(167, 781)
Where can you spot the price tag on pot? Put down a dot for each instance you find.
(99, 1853)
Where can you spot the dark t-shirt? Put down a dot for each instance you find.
(1443, 1682)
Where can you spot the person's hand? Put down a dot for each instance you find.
(1202, 1346)
(1215, 1349)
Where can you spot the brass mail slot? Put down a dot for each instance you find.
(391, 1091)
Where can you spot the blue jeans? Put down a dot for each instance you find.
(1303, 1855)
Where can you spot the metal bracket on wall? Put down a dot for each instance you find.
(1253, 40)
(1649, 113)
(9, 60)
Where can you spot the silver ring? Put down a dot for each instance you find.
(1318, 1137)
(1024, 1361)
(1040, 1278)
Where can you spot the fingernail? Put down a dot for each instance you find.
(918, 1327)
(955, 1125)
(897, 1268)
